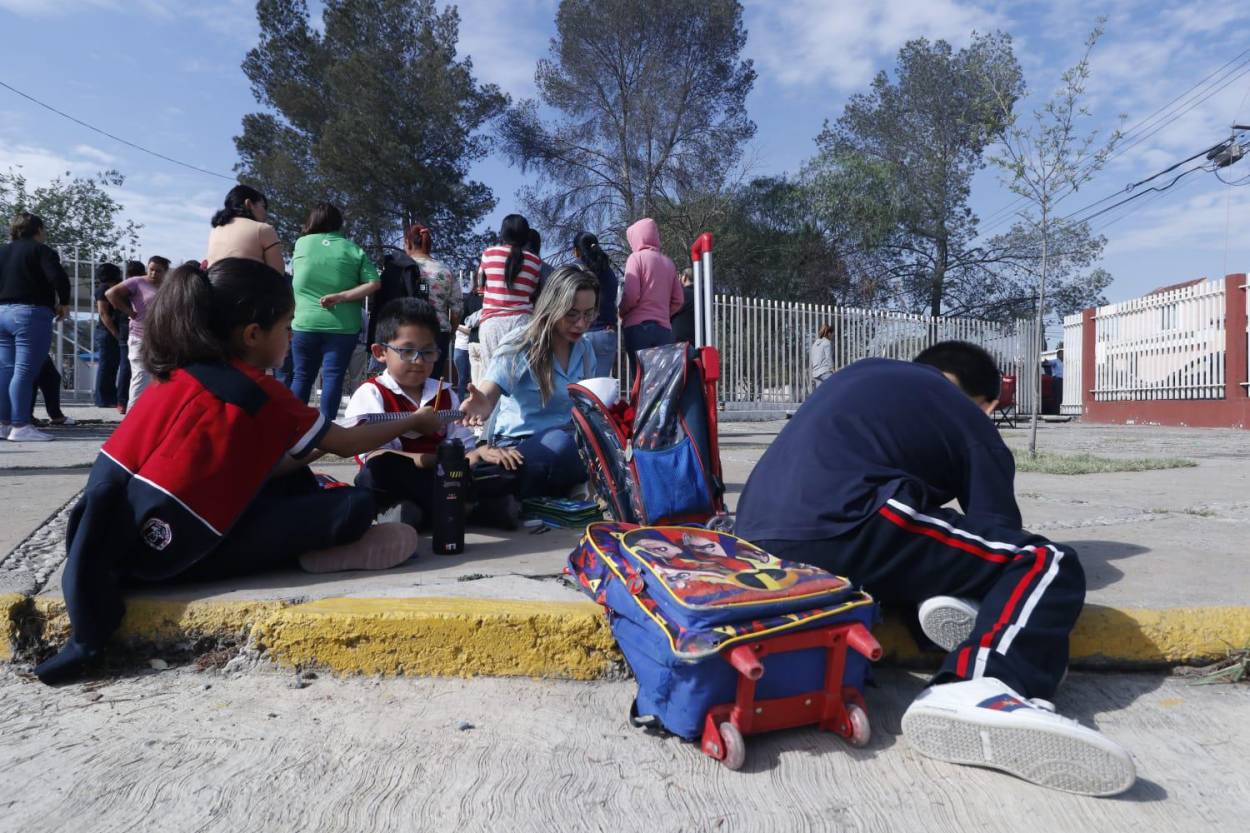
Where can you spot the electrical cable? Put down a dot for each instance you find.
(1237, 72)
(113, 137)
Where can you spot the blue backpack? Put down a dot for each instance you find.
(655, 458)
(681, 599)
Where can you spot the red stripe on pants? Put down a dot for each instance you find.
(957, 543)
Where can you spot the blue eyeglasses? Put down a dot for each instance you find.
(412, 355)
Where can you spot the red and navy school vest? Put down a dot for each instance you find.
(398, 403)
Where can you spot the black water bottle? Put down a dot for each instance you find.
(451, 492)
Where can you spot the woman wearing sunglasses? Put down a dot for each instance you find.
(525, 390)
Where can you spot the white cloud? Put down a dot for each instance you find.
(95, 154)
(842, 43)
(505, 40)
(174, 210)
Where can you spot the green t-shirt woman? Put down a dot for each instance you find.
(332, 276)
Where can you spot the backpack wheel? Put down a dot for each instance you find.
(861, 729)
(735, 746)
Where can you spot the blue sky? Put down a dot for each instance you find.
(165, 74)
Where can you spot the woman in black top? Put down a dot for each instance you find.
(602, 334)
(34, 290)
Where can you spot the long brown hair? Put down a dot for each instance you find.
(826, 330)
(535, 340)
(195, 312)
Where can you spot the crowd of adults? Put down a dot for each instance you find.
(331, 278)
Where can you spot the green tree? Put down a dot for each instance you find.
(778, 237)
(650, 104)
(923, 135)
(374, 113)
(1044, 160)
(82, 218)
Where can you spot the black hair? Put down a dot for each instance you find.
(324, 217)
(405, 312)
(108, 273)
(236, 204)
(514, 231)
(591, 253)
(534, 242)
(194, 315)
(25, 226)
(135, 268)
(163, 261)
(975, 368)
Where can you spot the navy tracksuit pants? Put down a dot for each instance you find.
(1029, 589)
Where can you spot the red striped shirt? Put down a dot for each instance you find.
(498, 300)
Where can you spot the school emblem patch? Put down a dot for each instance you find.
(157, 534)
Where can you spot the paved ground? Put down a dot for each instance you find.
(1162, 551)
(181, 750)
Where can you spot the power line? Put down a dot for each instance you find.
(111, 136)
(1224, 77)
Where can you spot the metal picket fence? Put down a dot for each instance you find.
(765, 346)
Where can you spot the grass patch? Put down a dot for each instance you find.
(1047, 462)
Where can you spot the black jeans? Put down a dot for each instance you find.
(393, 477)
(292, 515)
(1029, 589)
(48, 382)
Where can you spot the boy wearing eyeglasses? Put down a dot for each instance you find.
(402, 472)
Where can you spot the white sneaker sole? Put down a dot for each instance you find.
(948, 622)
(1070, 760)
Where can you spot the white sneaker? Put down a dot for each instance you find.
(28, 434)
(984, 723)
(948, 620)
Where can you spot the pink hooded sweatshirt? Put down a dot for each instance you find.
(652, 291)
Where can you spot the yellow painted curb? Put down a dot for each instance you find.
(444, 637)
(467, 637)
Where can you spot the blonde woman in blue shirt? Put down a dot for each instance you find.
(528, 379)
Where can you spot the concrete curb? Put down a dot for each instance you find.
(465, 637)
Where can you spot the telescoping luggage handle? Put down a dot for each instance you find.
(704, 322)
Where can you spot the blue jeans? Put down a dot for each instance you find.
(552, 465)
(603, 342)
(329, 353)
(644, 335)
(108, 359)
(464, 372)
(123, 364)
(25, 336)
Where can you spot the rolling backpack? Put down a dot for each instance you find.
(655, 458)
(726, 640)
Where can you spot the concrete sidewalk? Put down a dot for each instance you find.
(1161, 550)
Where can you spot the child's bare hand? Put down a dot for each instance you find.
(510, 458)
(426, 421)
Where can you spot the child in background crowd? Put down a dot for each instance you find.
(133, 297)
(207, 476)
(401, 471)
(528, 379)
